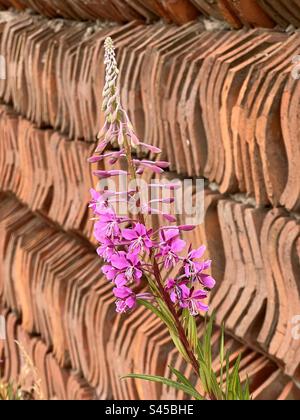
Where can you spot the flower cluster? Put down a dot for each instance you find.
(126, 245)
(136, 256)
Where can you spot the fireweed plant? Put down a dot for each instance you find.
(153, 267)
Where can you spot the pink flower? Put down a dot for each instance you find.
(178, 291)
(170, 247)
(139, 237)
(195, 270)
(99, 201)
(110, 272)
(126, 299)
(109, 174)
(107, 249)
(194, 302)
(150, 148)
(187, 298)
(108, 227)
(127, 269)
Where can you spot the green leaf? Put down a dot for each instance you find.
(246, 394)
(168, 382)
(227, 374)
(165, 310)
(235, 385)
(207, 342)
(185, 319)
(163, 316)
(192, 332)
(181, 378)
(222, 355)
(180, 347)
(190, 328)
(203, 377)
(215, 387)
(207, 353)
(166, 317)
(200, 351)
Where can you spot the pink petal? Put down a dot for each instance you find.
(118, 172)
(208, 281)
(120, 280)
(109, 174)
(199, 294)
(138, 274)
(133, 258)
(101, 146)
(153, 168)
(131, 302)
(140, 229)
(129, 234)
(95, 194)
(95, 159)
(152, 149)
(178, 245)
(171, 234)
(187, 228)
(122, 292)
(102, 174)
(170, 218)
(186, 292)
(198, 253)
(173, 297)
(148, 243)
(202, 307)
(119, 261)
(184, 305)
(162, 164)
(170, 283)
(109, 272)
(206, 265)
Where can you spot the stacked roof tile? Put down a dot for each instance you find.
(252, 13)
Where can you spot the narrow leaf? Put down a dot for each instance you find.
(165, 318)
(180, 347)
(222, 354)
(168, 382)
(181, 378)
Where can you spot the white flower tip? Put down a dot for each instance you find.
(108, 44)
